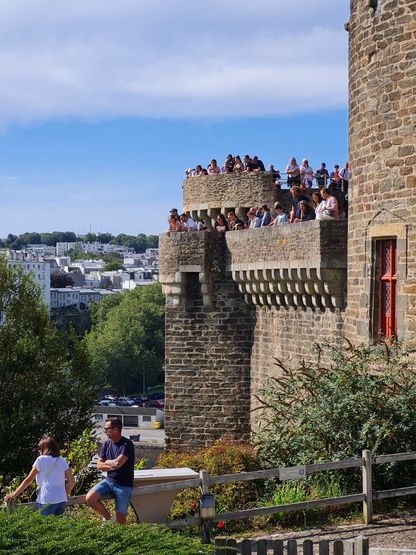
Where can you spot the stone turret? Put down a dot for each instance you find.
(382, 154)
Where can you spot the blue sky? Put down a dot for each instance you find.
(103, 105)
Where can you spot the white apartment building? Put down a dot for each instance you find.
(41, 273)
(104, 248)
(62, 297)
(41, 248)
(64, 247)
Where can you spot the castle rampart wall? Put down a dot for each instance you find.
(234, 302)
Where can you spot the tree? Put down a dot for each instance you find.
(90, 238)
(113, 266)
(32, 238)
(105, 237)
(46, 382)
(10, 239)
(152, 241)
(127, 338)
(61, 279)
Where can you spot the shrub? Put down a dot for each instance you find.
(365, 399)
(296, 491)
(223, 457)
(27, 533)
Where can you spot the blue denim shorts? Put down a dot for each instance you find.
(55, 509)
(120, 494)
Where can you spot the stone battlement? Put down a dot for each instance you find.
(204, 197)
(301, 265)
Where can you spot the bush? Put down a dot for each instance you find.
(365, 399)
(221, 458)
(27, 533)
(296, 491)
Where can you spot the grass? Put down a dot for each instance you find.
(25, 532)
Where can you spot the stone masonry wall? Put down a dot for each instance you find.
(208, 368)
(290, 335)
(209, 332)
(206, 196)
(221, 341)
(382, 154)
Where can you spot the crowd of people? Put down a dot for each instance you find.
(299, 175)
(326, 203)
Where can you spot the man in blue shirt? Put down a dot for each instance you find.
(117, 459)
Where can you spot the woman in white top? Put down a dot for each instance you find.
(53, 477)
(318, 204)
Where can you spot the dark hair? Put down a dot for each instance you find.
(325, 190)
(265, 207)
(277, 205)
(48, 446)
(318, 194)
(115, 423)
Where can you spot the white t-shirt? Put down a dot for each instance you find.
(319, 210)
(53, 488)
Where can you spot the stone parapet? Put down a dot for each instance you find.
(204, 197)
(300, 265)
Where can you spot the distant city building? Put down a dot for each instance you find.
(41, 249)
(63, 297)
(40, 272)
(64, 247)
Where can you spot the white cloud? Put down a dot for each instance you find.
(218, 58)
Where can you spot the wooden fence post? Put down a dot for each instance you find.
(205, 523)
(9, 506)
(367, 487)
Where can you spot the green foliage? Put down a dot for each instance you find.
(296, 491)
(139, 242)
(78, 454)
(127, 338)
(365, 399)
(221, 458)
(46, 382)
(140, 464)
(113, 266)
(28, 533)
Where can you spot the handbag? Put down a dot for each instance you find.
(39, 488)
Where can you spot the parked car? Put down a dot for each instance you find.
(106, 403)
(125, 402)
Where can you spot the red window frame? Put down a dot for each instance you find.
(387, 287)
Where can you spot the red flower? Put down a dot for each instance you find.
(193, 505)
(220, 525)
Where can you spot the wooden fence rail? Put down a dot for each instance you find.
(204, 482)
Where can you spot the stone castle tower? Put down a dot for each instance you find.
(235, 302)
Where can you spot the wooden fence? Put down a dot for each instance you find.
(205, 481)
(229, 546)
